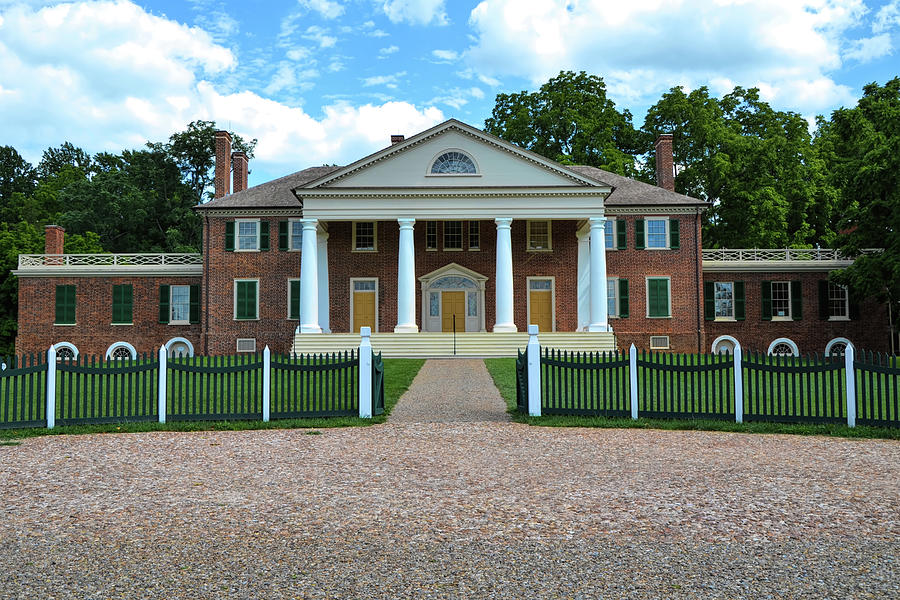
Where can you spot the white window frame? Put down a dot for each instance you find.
(716, 316)
(611, 226)
(783, 340)
(179, 340)
(374, 247)
(724, 338)
(846, 316)
(462, 237)
(647, 295)
(552, 280)
(288, 313)
(68, 345)
(428, 225)
(529, 246)
(837, 340)
(116, 345)
(615, 282)
(434, 158)
(234, 299)
(469, 236)
(237, 235)
(647, 245)
(172, 321)
(790, 302)
(353, 281)
(291, 223)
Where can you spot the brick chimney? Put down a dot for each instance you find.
(397, 138)
(54, 239)
(240, 163)
(665, 167)
(222, 182)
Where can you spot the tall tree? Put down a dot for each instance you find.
(570, 120)
(55, 160)
(17, 176)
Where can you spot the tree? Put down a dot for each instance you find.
(865, 165)
(17, 176)
(569, 120)
(55, 160)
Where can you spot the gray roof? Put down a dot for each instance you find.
(629, 192)
(277, 193)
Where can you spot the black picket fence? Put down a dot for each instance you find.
(22, 383)
(877, 385)
(584, 383)
(317, 385)
(791, 389)
(522, 382)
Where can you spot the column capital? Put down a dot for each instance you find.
(597, 222)
(503, 222)
(406, 223)
(309, 224)
(322, 235)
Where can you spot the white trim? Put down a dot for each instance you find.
(237, 345)
(667, 240)
(112, 348)
(615, 280)
(462, 236)
(846, 315)
(374, 247)
(528, 246)
(290, 244)
(469, 245)
(185, 321)
(552, 279)
(723, 338)
(68, 345)
(176, 340)
(612, 225)
(440, 153)
(838, 340)
(234, 299)
(450, 269)
(237, 236)
(647, 279)
(784, 340)
(715, 309)
(354, 280)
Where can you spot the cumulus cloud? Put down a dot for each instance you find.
(327, 8)
(643, 48)
(445, 55)
(390, 81)
(389, 50)
(109, 76)
(888, 17)
(415, 12)
(868, 49)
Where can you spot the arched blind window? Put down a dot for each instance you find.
(454, 163)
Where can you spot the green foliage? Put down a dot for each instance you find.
(17, 177)
(15, 239)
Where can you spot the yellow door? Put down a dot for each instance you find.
(453, 303)
(541, 302)
(363, 310)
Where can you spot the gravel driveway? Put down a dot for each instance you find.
(449, 510)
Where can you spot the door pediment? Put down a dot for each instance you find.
(450, 270)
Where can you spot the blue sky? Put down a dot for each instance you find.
(327, 81)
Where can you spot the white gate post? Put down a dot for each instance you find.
(51, 388)
(738, 384)
(632, 372)
(161, 392)
(533, 355)
(365, 373)
(850, 373)
(266, 383)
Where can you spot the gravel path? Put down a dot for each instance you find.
(451, 390)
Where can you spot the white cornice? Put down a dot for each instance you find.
(453, 193)
(112, 271)
(762, 266)
(254, 212)
(653, 210)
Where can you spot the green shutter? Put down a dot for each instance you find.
(623, 298)
(740, 301)
(796, 301)
(246, 300)
(294, 307)
(639, 234)
(823, 299)
(164, 303)
(229, 236)
(283, 240)
(674, 234)
(766, 300)
(195, 304)
(621, 233)
(122, 303)
(65, 305)
(658, 298)
(854, 306)
(263, 235)
(709, 300)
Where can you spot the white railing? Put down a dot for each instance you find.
(32, 261)
(773, 254)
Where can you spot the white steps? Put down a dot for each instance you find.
(432, 345)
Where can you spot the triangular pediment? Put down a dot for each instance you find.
(408, 164)
(453, 269)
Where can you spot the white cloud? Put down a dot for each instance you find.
(320, 35)
(445, 55)
(108, 76)
(888, 17)
(415, 12)
(643, 48)
(871, 48)
(389, 50)
(327, 8)
(457, 97)
(385, 80)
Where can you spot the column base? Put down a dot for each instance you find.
(408, 328)
(310, 329)
(599, 327)
(505, 328)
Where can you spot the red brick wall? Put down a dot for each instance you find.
(93, 332)
(811, 334)
(681, 266)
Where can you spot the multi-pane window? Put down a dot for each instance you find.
(837, 302)
(609, 233)
(471, 304)
(179, 304)
(657, 234)
(434, 304)
(658, 297)
(453, 163)
(122, 303)
(65, 305)
(612, 297)
(431, 235)
(245, 299)
(247, 235)
(296, 235)
(474, 235)
(781, 299)
(724, 300)
(364, 236)
(453, 235)
(538, 235)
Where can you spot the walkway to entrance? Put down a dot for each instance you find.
(450, 390)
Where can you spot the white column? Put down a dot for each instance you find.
(324, 300)
(309, 279)
(406, 280)
(504, 277)
(584, 279)
(599, 306)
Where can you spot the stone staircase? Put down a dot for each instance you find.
(434, 345)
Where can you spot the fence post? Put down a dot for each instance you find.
(161, 391)
(850, 374)
(51, 388)
(365, 373)
(738, 385)
(633, 374)
(533, 352)
(266, 383)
